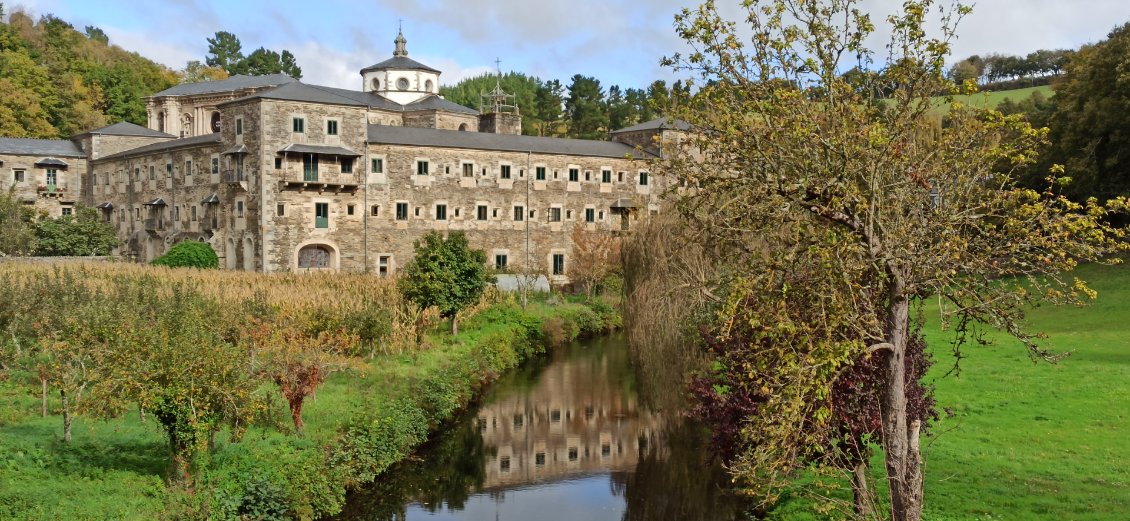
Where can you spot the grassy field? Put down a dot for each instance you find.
(992, 99)
(1032, 440)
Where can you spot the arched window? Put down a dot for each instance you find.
(314, 256)
(160, 122)
(215, 122)
(428, 85)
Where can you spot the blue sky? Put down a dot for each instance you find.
(618, 41)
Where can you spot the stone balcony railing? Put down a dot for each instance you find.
(297, 179)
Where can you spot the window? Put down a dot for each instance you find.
(539, 173)
(383, 265)
(481, 213)
(137, 173)
(309, 167)
(421, 168)
(331, 128)
(602, 215)
(106, 178)
(239, 208)
(588, 175)
(569, 214)
(457, 212)
(239, 126)
(574, 175)
(347, 165)
(643, 178)
(377, 165)
(298, 125)
(558, 263)
(417, 211)
(606, 176)
(280, 210)
(168, 170)
(441, 212)
(176, 213)
(554, 215)
(215, 165)
(152, 173)
(375, 210)
(494, 213)
(67, 211)
(193, 213)
(402, 211)
(504, 171)
(619, 177)
(187, 167)
(18, 176)
(52, 177)
(590, 215)
(468, 170)
(349, 210)
(321, 215)
(278, 163)
(500, 261)
(519, 213)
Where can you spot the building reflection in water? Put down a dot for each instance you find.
(578, 419)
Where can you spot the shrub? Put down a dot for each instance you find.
(189, 254)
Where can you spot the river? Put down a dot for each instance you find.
(564, 437)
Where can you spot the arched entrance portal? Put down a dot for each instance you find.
(248, 255)
(230, 262)
(316, 257)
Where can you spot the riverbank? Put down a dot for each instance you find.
(357, 425)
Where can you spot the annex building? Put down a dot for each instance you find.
(281, 176)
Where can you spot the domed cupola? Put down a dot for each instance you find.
(400, 78)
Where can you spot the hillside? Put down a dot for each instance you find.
(993, 99)
(58, 81)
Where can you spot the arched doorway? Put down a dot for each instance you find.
(230, 262)
(316, 257)
(462, 127)
(248, 254)
(150, 249)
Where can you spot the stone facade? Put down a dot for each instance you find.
(300, 177)
(52, 189)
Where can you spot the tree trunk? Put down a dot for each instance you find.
(900, 439)
(67, 419)
(43, 397)
(454, 326)
(296, 413)
(864, 499)
(141, 412)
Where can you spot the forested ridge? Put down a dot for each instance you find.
(57, 81)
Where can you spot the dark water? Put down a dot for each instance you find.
(566, 437)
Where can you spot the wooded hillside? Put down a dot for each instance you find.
(58, 81)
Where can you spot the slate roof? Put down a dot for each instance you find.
(399, 62)
(19, 146)
(236, 82)
(50, 161)
(319, 149)
(657, 124)
(203, 139)
(434, 102)
(395, 135)
(298, 91)
(125, 128)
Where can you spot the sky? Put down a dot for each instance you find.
(620, 42)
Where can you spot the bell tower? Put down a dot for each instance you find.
(400, 78)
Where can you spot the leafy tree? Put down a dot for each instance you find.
(595, 255)
(870, 204)
(585, 108)
(225, 52)
(297, 357)
(189, 254)
(262, 62)
(17, 226)
(446, 273)
(1090, 130)
(81, 234)
(195, 72)
(98, 35)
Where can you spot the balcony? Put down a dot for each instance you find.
(154, 223)
(234, 176)
(298, 179)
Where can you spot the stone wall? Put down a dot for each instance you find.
(34, 189)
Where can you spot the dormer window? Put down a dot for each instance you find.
(402, 84)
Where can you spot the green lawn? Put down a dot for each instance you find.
(1033, 440)
(992, 99)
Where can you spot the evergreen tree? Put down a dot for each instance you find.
(225, 51)
(585, 108)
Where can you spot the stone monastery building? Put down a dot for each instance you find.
(279, 175)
